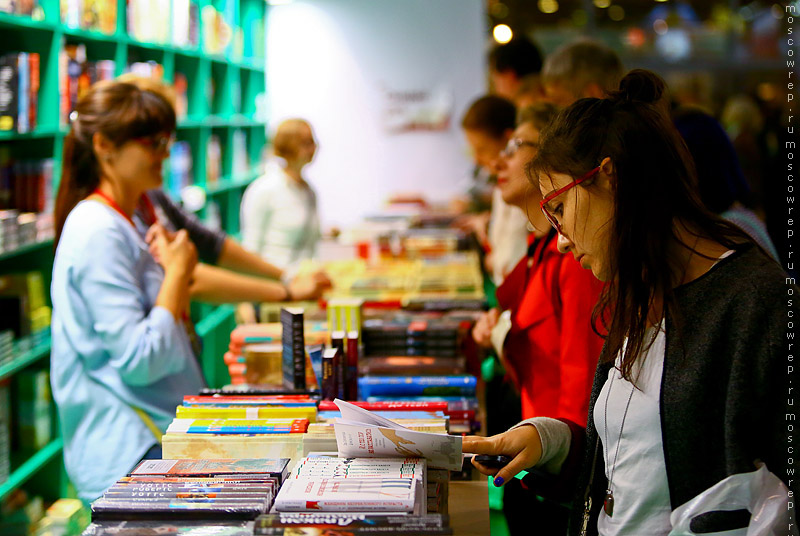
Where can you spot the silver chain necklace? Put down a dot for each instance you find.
(608, 501)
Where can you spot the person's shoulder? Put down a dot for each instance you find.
(90, 229)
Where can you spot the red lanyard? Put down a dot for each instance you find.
(113, 204)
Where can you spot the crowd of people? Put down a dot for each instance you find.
(639, 330)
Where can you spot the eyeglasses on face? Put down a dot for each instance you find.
(158, 143)
(514, 145)
(552, 195)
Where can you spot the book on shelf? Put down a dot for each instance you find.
(328, 388)
(19, 91)
(361, 433)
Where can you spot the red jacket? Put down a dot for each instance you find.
(551, 344)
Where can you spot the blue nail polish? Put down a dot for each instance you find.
(498, 481)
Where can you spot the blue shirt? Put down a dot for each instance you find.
(112, 348)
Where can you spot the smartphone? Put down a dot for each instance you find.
(493, 462)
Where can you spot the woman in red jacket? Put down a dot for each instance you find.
(543, 324)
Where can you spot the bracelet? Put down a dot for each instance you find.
(289, 296)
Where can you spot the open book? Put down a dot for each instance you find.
(361, 433)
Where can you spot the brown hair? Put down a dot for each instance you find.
(120, 111)
(286, 140)
(539, 115)
(492, 115)
(580, 63)
(655, 187)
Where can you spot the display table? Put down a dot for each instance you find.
(469, 507)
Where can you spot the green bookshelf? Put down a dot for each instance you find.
(222, 94)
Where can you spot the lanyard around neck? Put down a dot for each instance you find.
(113, 204)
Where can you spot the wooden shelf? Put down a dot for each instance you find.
(28, 468)
(40, 351)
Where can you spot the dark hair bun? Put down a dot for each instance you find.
(640, 85)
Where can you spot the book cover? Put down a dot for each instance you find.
(417, 386)
(308, 412)
(340, 363)
(122, 510)
(238, 426)
(361, 433)
(232, 446)
(343, 495)
(399, 405)
(277, 468)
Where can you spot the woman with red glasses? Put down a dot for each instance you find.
(692, 382)
(121, 357)
(542, 327)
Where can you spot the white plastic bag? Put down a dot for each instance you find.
(760, 492)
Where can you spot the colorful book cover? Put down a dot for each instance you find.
(416, 385)
(252, 412)
(347, 495)
(400, 405)
(238, 426)
(276, 468)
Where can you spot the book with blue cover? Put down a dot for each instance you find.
(416, 386)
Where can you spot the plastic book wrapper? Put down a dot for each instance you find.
(361, 433)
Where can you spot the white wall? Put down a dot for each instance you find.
(329, 60)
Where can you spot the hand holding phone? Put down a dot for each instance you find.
(492, 462)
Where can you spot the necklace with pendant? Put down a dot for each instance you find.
(608, 501)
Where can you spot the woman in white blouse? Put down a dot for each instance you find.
(279, 209)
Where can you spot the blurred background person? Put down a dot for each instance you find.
(580, 69)
(488, 125)
(511, 63)
(721, 183)
(279, 209)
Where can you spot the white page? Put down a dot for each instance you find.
(352, 414)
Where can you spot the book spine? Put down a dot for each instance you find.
(351, 372)
(328, 387)
(294, 353)
(8, 92)
(23, 81)
(417, 385)
(389, 406)
(338, 342)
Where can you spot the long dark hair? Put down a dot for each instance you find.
(121, 111)
(655, 187)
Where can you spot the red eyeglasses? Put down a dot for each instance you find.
(543, 203)
(159, 143)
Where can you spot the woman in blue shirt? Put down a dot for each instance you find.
(121, 357)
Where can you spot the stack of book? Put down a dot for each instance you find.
(19, 91)
(239, 427)
(255, 354)
(193, 490)
(458, 392)
(412, 335)
(387, 485)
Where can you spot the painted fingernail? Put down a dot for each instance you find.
(498, 481)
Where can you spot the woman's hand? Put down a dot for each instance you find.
(482, 331)
(150, 238)
(175, 253)
(309, 287)
(523, 444)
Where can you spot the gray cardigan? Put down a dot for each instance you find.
(724, 391)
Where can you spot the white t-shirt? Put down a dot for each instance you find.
(279, 218)
(639, 485)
